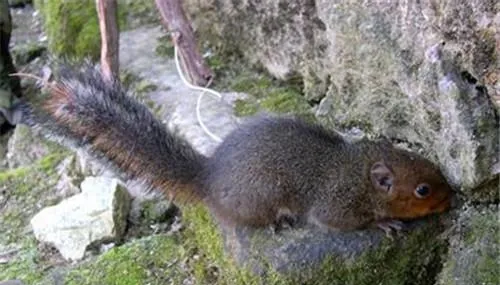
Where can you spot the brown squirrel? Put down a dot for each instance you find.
(266, 169)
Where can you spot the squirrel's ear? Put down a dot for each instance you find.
(381, 176)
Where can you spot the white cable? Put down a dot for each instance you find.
(217, 94)
(198, 103)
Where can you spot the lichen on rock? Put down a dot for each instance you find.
(474, 248)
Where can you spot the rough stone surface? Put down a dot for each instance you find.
(298, 249)
(24, 147)
(420, 72)
(474, 248)
(98, 214)
(177, 100)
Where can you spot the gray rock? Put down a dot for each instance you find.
(420, 72)
(98, 214)
(25, 147)
(473, 257)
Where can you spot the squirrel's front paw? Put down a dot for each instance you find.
(390, 226)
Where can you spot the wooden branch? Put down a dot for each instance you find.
(107, 11)
(175, 20)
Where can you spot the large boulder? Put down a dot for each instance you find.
(420, 72)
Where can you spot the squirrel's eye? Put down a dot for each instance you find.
(422, 191)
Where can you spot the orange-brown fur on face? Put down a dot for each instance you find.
(402, 201)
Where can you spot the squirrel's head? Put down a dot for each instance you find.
(413, 186)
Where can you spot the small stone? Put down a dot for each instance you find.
(98, 214)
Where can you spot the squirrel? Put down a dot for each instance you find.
(266, 170)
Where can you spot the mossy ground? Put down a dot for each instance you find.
(151, 260)
(25, 191)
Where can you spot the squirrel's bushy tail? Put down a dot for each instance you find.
(82, 110)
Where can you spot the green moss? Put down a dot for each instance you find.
(253, 84)
(245, 108)
(415, 262)
(150, 260)
(72, 27)
(165, 47)
(145, 86)
(64, 22)
(268, 94)
(473, 257)
(487, 269)
(204, 237)
(484, 237)
(415, 259)
(286, 101)
(128, 79)
(29, 188)
(24, 265)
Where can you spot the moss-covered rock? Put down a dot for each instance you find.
(72, 27)
(474, 248)
(151, 260)
(309, 256)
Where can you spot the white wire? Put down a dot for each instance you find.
(198, 103)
